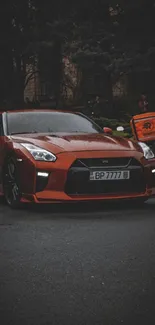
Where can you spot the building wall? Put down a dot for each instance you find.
(120, 88)
(71, 80)
(71, 84)
(32, 89)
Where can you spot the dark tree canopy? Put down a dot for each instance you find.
(100, 36)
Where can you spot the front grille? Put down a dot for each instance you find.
(78, 182)
(105, 162)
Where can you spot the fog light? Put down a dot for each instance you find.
(153, 171)
(42, 174)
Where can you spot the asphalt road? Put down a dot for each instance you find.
(78, 265)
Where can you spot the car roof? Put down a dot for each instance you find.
(38, 110)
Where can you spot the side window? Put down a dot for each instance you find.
(1, 126)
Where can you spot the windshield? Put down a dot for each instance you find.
(50, 122)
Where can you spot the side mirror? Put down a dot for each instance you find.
(107, 130)
(120, 128)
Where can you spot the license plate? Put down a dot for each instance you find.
(109, 175)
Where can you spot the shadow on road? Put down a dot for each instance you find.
(91, 208)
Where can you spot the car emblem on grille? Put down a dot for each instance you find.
(105, 161)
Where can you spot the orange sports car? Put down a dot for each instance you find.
(49, 156)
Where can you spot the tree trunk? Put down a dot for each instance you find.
(18, 96)
(57, 64)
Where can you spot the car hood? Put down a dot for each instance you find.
(81, 142)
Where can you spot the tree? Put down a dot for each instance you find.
(104, 39)
(18, 38)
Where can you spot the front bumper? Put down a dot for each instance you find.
(61, 197)
(62, 187)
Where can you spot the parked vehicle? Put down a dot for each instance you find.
(58, 156)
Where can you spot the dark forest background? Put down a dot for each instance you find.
(65, 53)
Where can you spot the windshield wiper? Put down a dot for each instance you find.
(26, 132)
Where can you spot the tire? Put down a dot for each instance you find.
(11, 183)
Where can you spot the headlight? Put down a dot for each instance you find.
(148, 153)
(39, 153)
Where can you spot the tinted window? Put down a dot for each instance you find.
(50, 122)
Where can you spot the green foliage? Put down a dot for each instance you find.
(113, 124)
(121, 134)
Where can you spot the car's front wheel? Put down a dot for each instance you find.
(11, 183)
